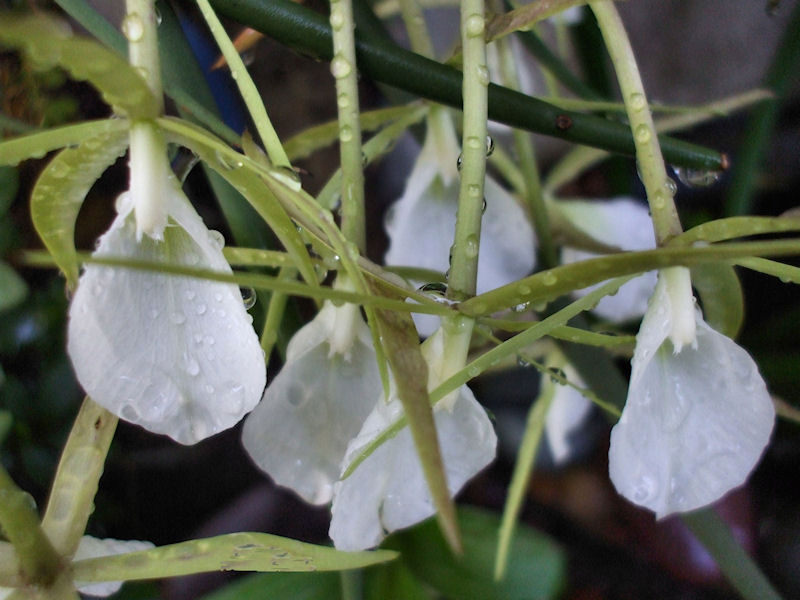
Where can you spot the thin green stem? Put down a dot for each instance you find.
(464, 263)
(530, 170)
(652, 170)
(275, 312)
(250, 95)
(38, 559)
(417, 30)
(343, 68)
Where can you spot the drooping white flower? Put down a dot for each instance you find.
(388, 491)
(623, 223)
(421, 224)
(697, 417)
(299, 432)
(176, 355)
(567, 413)
(90, 547)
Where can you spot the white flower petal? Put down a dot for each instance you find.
(388, 490)
(299, 432)
(695, 422)
(90, 547)
(421, 225)
(568, 411)
(621, 222)
(176, 355)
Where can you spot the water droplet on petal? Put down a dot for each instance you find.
(200, 309)
(216, 239)
(178, 317)
(133, 27)
(644, 490)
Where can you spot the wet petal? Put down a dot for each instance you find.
(90, 547)
(299, 432)
(568, 411)
(176, 355)
(388, 490)
(626, 224)
(695, 422)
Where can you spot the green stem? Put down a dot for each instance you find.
(530, 170)
(77, 477)
(306, 31)
(464, 259)
(38, 559)
(343, 67)
(648, 152)
(140, 29)
(418, 34)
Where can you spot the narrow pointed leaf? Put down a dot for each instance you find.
(231, 552)
(36, 145)
(49, 43)
(401, 344)
(525, 16)
(61, 190)
(735, 227)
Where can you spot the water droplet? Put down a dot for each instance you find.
(346, 134)
(200, 309)
(524, 289)
(489, 146)
(483, 75)
(297, 395)
(340, 67)
(157, 14)
(670, 187)
(133, 27)
(228, 163)
(216, 239)
(474, 190)
(642, 133)
(557, 375)
(130, 413)
(436, 287)
(209, 389)
(521, 362)
(190, 294)
(637, 102)
(460, 162)
(473, 371)
(218, 296)
(473, 142)
(343, 100)
(192, 366)
(658, 201)
(521, 307)
(644, 490)
(474, 25)
(58, 170)
(696, 177)
(177, 317)
(549, 278)
(249, 297)
(337, 19)
(471, 246)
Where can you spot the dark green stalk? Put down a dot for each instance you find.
(782, 72)
(309, 33)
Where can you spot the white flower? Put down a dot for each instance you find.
(421, 224)
(299, 432)
(620, 222)
(698, 415)
(568, 411)
(90, 547)
(176, 355)
(388, 490)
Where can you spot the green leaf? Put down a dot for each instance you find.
(736, 227)
(13, 288)
(536, 568)
(36, 145)
(722, 297)
(740, 569)
(393, 580)
(232, 552)
(61, 190)
(49, 43)
(786, 273)
(401, 345)
(281, 586)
